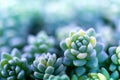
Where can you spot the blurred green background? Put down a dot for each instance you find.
(21, 18)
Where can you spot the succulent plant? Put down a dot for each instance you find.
(93, 76)
(100, 52)
(46, 65)
(82, 50)
(114, 53)
(13, 67)
(103, 74)
(77, 45)
(63, 77)
(39, 44)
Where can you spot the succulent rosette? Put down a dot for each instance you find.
(46, 65)
(13, 67)
(82, 51)
(39, 44)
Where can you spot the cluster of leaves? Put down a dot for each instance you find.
(79, 56)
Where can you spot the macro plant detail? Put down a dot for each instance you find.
(81, 51)
(78, 46)
(115, 65)
(102, 74)
(39, 44)
(59, 40)
(47, 65)
(12, 67)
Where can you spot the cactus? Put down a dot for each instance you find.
(12, 67)
(46, 65)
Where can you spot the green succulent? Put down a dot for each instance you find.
(97, 76)
(46, 65)
(115, 61)
(63, 77)
(80, 51)
(78, 47)
(39, 44)
(103, 74)
(12, 66)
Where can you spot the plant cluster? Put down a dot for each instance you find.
(79, 56)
